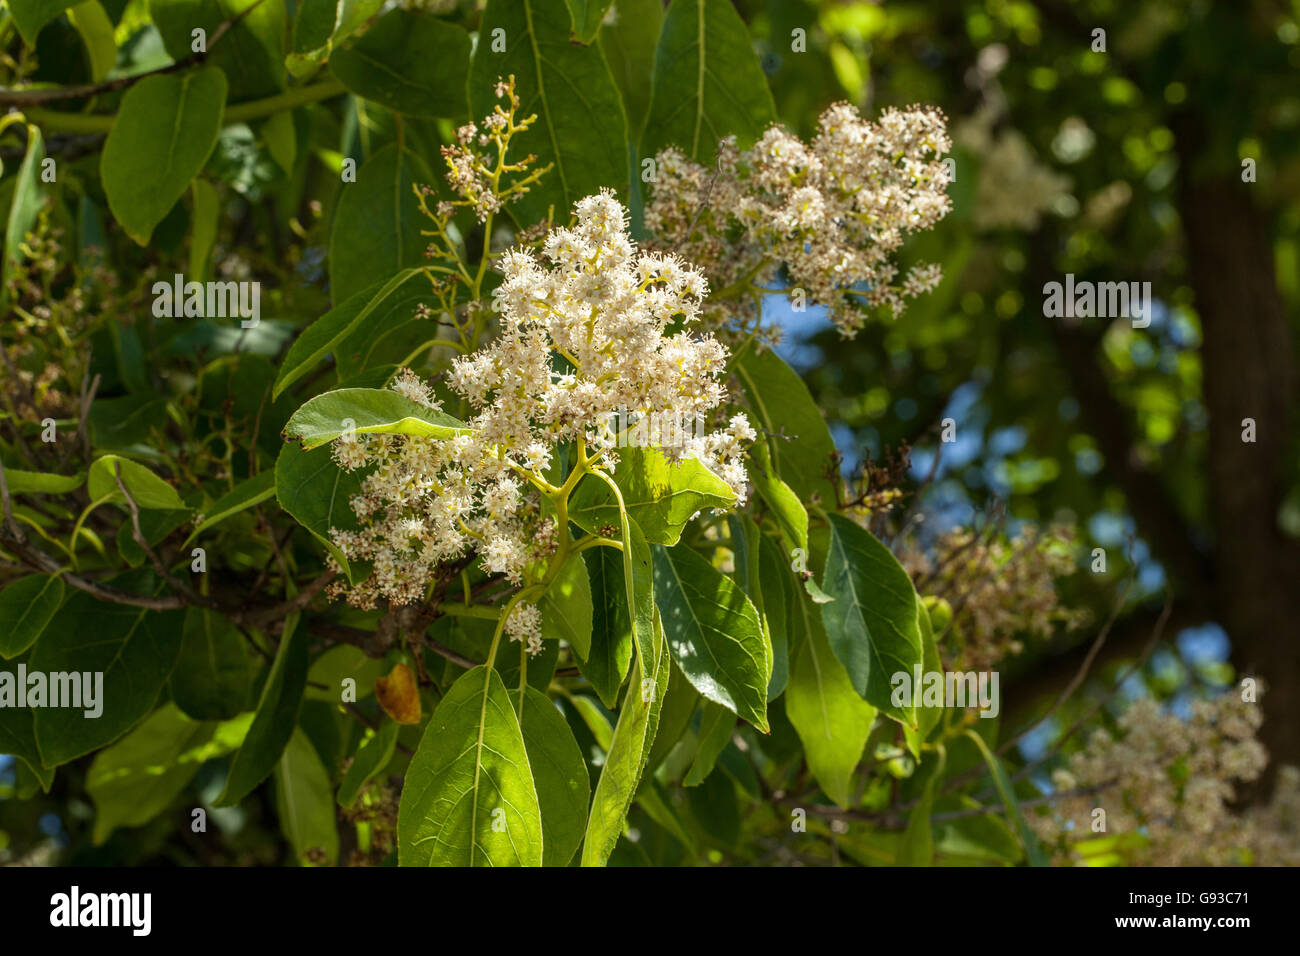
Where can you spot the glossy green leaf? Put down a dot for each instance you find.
(377, 223)
(560, 776)
(802, 451)
(469, 797)
(378, 307)
(707, 82)
(273, 725)
(634, 733)
(777, 586)
(659, 495)
(134, 648)
(714, 633)
(344, 662)
(832, 721)
(304, 802)
(566, 607)
(779, 498)
(872, 621)
(367, 411)
(317, 493)
(408, 61)
(144, 169)
(146, 489)
(26, 607)
(580, 126)
(610, 653)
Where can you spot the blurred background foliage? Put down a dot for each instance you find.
(1117, 165)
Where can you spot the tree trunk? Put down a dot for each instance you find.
(1249, 373)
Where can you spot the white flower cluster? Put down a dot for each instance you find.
(1172, 779)
(591, 327)
(831, 212)
(1014, 189)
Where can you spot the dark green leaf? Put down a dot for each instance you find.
(410, 62)
(559, 775)
(213, 679)
(26, 607)
(872, 621)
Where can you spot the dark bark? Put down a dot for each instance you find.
(1249, 367)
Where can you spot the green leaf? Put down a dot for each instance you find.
(716, 725)
(595, 720)
(379, 307)
(29, 199)
(164, 132)
(916, 848)
(410, 62)
(634, 734)
(322, 24)
(319, 24)
(659, 495)
(927, 718)
(368, 410)
(140, 776)
(146, 489)
(213, 679)
(707, 82)
(273, 725)
(318, 494)
(580, 126)
(566, 607)
(251, 53)
(245, 495)
(134, 648)
(26, 607)
(828, 715)
(31, 15)
(155, 526)
(629, 47)
(786, 508)
(872, 621)
(39, 482)
(610, 653)
(1028, 839)
(586, 16)
(714, 633)
(304, 801)
(778, 590)
(469, 797)
(206, 211)
(18, 728)
(680, 701)
(560, 776)
(370, 760)
(801, 446)
(376, 231)
(344, 662)
(97, 34)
